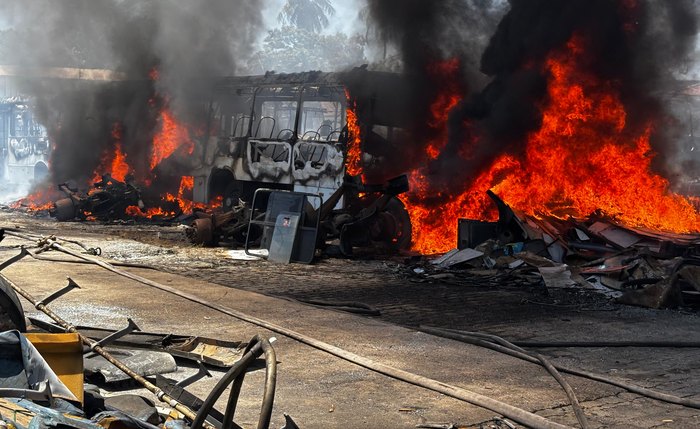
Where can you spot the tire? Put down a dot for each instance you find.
(64, 210)
(396, 215)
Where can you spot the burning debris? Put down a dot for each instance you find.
(569, 125)
(636, 266)
(311, 146)
(372, 217)
(109, 200)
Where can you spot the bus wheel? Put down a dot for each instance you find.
(393, 226)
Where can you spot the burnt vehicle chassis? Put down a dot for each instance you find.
(291, 133)
(108, 200)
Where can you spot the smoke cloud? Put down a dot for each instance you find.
(182, 42)
(635, 43)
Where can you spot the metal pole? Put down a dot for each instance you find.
(162, 396)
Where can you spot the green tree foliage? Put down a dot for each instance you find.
(290, 49)
(309, 15)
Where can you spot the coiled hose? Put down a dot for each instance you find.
(256, 347)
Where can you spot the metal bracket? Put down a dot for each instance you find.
(203, 372)
(24, 252)
(117, 335)
(59, 293)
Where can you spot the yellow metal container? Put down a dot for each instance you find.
(64, 354)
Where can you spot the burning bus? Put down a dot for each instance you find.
(306, 133)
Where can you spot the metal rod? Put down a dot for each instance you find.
(117, 335)
(17, 233)
(59, 293)
(162, 396)
(24, 252)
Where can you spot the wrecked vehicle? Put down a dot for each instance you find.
(109, 200)
(298, 133)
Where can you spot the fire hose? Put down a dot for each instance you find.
(482, 342)
(575, 405)
(517, 414)
(235, 377)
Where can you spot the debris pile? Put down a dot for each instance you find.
(635, 266)
(372, 217)
(45, 366)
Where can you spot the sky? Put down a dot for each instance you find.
(345, 19)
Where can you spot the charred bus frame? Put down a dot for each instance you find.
(290, 132)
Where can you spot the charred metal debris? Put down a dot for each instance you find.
(372, 216)
(631, 266)
(50, 390)
(108, 200)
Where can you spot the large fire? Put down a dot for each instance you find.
(583, 159)
(36, 202)
(183, 201)
(172, 135)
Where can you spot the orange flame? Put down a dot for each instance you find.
(584, 158)
(353, 158)
(114, 163)
(182, 199)
(172, 135)
(119, 169)
(38, 201)
(440, 109)
(150, 213)
(184, 195)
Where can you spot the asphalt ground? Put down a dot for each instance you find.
(319, 390)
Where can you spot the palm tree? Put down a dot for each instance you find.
(310, 15)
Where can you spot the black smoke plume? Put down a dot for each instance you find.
(182, 43)
(635, 43)
(428, 35)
